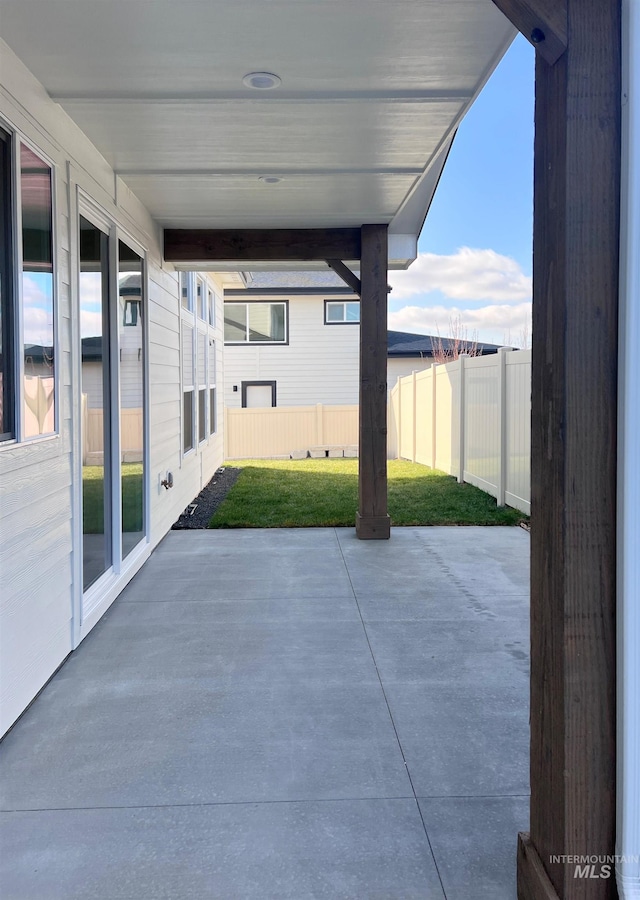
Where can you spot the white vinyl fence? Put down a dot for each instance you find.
(281, 430)
(131, 435)
(469, 418)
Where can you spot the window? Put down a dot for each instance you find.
(27, 340)
(202, 414)
(114, 394)
(97, 474)
(341, 312)
(185, 298)
(132, 311)
(187, 421)
(255, 322)
(201, 299)
(212, 386)
(188, 412)
(131, 401)
(201, 369)
(197, 360)
(7, 334)
(37, 294)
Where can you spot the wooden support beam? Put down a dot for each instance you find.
(573, 455)
(372, 520)
(260, 244)
(537, 885)
(346, 274)
(542, 22)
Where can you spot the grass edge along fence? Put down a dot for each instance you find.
(274, 493)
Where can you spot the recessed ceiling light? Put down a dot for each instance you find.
(270, 179)
(262, 81)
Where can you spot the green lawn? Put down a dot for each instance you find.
(93, 498)
(321, 492)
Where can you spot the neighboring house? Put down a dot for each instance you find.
(414, 352)
(292, 339)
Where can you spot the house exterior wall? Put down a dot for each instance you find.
(40, 512)
(399, 367)
(319, 364)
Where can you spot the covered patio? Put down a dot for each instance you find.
(154, 121)
(285, 714)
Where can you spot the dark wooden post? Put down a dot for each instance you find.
(573, 475)
(372, 520)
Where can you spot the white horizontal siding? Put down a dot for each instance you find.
(36, 480)
(320, 364)
(192, 472)
(35, 513)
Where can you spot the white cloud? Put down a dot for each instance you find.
(91, 290)
(32, 293)
(38, 326)
(465, 275)
(497, 323)
(90, 324)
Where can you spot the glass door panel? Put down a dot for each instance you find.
(37, 294)
(96, 402)
(132, 395)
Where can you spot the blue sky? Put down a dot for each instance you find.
(475, 250)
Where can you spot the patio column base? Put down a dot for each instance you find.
(533, 881)
(373, 528)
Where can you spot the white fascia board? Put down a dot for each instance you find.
(403, 250)
(413, 212)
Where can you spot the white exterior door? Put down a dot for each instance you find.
(258, 395)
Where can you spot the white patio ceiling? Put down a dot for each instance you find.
(358, 130)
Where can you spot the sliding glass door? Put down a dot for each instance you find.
(112, 326)
(131, 414)
(96, 403)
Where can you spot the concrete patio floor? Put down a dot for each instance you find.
(278, 714)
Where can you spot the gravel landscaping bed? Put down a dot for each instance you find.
(208, 500)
